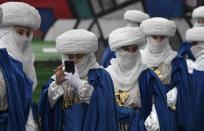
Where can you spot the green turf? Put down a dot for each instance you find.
(37, 47)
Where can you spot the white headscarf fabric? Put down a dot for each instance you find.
(156, 53)
(135, 16)
(77, 41)
(19, 48)
(198, 12)
(158, 26)
(196, 35)
(125, 68)
(126, 36)
(20, 14)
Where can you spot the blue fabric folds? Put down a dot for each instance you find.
(185, 50)
(150, 85)
(181, 79)
(51, 119)
(107, 56)
(18, 93)
(99, 115)
(197, 100)
(102, 112)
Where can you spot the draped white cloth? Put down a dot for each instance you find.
(19, 48)
(195, 34)
(156, 53)
(77, 41)
(126, 36)
(198, 12)
(136, 16)
(21, 14)
(125, 69)
(158, 26)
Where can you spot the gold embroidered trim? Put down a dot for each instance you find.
(121, 97)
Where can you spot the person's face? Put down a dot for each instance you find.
(130, 48)
(158, 38)
(200, 20)
(76, 58)
(194, 43)
(23, 31)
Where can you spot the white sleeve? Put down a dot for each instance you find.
(172, 97)
(200, 65)
(190, 65)
(85, 91)
(54, 93)
(152, 122)
(31, 125)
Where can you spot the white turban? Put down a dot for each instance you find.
(20, 14)
(198, 12)
(195, 34)
(77, 41)
(126, 36)
(158, 26)
(135, 16)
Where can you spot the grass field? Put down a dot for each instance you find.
(44, 65)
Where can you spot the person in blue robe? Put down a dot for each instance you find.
(139, 94)
(133, 18)
(83, 100)
(196, 72)
(18, 94)
(18, 77)
(170, 68)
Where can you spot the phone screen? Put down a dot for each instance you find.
(69, 66)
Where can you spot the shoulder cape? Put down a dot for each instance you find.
(18, 93)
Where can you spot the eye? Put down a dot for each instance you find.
(20, 32)
(125, 48)
(71, 56)
(79, 56)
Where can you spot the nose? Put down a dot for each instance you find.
(131, 51)
(75, 60)
(24, 35)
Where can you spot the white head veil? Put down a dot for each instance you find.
(79, 41)
(125, 68)
(198, 13)
(196, 35)
(19, 14)
(157, 53)
(134, 17)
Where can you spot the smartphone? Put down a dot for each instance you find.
(69, 66)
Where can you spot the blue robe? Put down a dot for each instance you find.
(149, 85)
(198, 97)
(99, 115)
(18, 94)
(185, 50)
(107, 56)
(181, 79)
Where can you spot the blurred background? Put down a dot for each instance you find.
(101, 17)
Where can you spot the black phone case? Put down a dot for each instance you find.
(69, 66)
